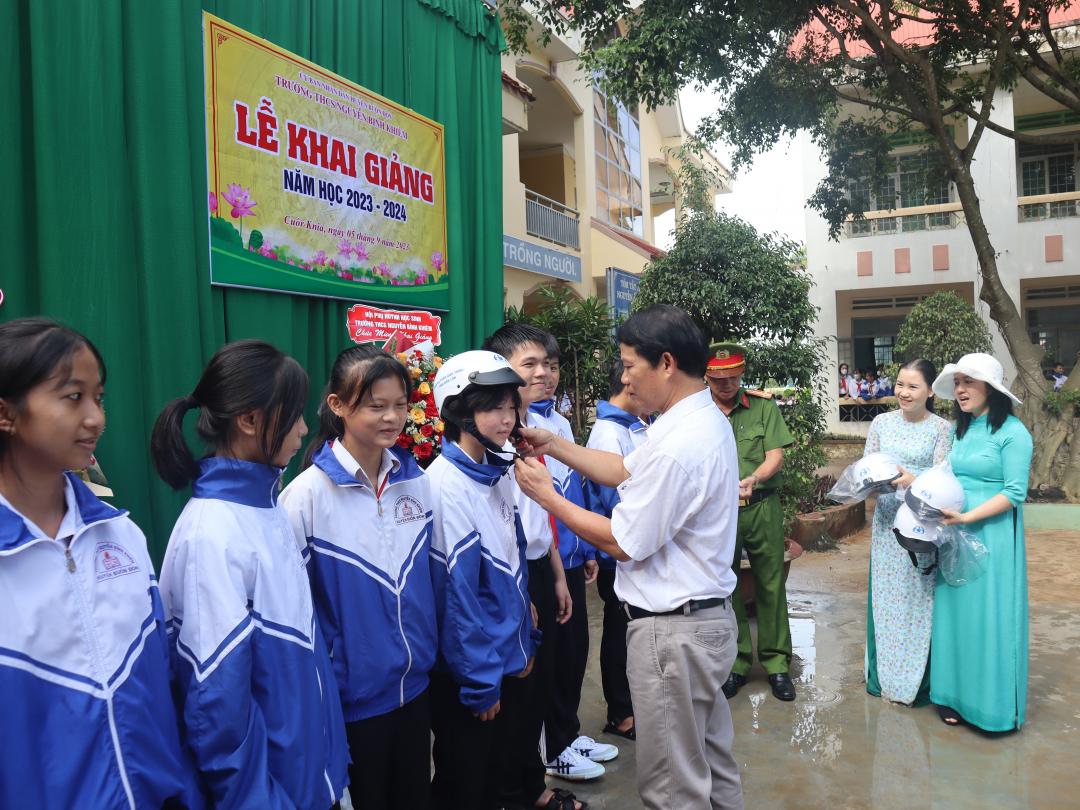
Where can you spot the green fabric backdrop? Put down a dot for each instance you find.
(103, 204)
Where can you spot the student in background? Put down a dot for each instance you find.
(619, 428)
(480, 688)
(1059, 376)
(362, 512)
(260, 705)
(89, 719)
(579, 563)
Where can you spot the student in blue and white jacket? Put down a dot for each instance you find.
(486, 622)
(619, 428)
(260, 705)
(362, 511)
(88, 717)
(571, 640)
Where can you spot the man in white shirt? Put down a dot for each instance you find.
(673, 533)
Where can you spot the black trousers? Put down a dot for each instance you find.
(613, 651)
(468, 752)
(572, 653)
(391, 763)
(523, 769)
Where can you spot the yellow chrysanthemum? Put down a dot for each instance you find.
(438, 426)
(415, 372)
(417, 415)
(438, 362)
(424, 388)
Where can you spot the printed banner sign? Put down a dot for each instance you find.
(318, 186)
(369, 324)
(622, 287)
(536, 259)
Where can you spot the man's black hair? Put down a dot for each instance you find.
(666, 328)
(510, 337)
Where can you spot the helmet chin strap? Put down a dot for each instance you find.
(469, 426)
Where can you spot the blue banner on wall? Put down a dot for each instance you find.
(622, 287)
(545, 261)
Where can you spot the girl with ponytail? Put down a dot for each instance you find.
(84, 658)
(362, 511)
(260, 708)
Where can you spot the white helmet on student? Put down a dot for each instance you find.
(472, 368)
(875, 470)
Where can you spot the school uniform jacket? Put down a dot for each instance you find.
(369, 561)
(260, 706)
(480, 574)
(573, 550)
(615, 431)
(86, 712)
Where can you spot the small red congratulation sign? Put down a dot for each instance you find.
(368, 324)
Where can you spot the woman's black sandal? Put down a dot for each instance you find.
(949, 717)
(563, 800)
(613, 728)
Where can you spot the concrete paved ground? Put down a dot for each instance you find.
(837, 747)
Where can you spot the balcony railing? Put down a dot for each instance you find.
(905, 220)
(551, 220)
(1048, 206)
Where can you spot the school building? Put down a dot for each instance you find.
(914, 242)
(585, 179)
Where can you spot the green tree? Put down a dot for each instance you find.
(855, 74)
(584, 329)
(740, 285)
(941, 328)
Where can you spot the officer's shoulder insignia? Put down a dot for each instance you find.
(760, 394)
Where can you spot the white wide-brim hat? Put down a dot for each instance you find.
(978, 366)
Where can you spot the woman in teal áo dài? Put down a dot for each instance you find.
(979, 645)
(900, 606)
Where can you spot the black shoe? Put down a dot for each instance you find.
(782, 687)
(733, 684)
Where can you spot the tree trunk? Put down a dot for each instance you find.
(1052, 434)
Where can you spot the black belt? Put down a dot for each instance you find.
(755, 496)
(685, 609)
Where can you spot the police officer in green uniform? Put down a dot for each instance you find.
(761, 437)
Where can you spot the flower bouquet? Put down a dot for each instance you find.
(423, 431)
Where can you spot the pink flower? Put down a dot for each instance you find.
(437, 261)
(360, 251)
(345, 247)
(383, 269)
(421, 276)
(345, 274)
(320, 258)
(240, 200)
(213, 203)
(267, 251)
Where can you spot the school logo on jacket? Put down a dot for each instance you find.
(506, 511)
(112, 561)
(408, 509)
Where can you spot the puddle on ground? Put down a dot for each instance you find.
(803, 648)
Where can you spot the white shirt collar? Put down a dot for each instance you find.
(676, 414)
(388, 464)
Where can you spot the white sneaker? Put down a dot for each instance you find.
(573, 766)
(596, 751)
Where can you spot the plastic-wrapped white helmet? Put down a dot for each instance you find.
(472, 368)
(875, 470)
(934, 490)
(915, 534)
(918, 526)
